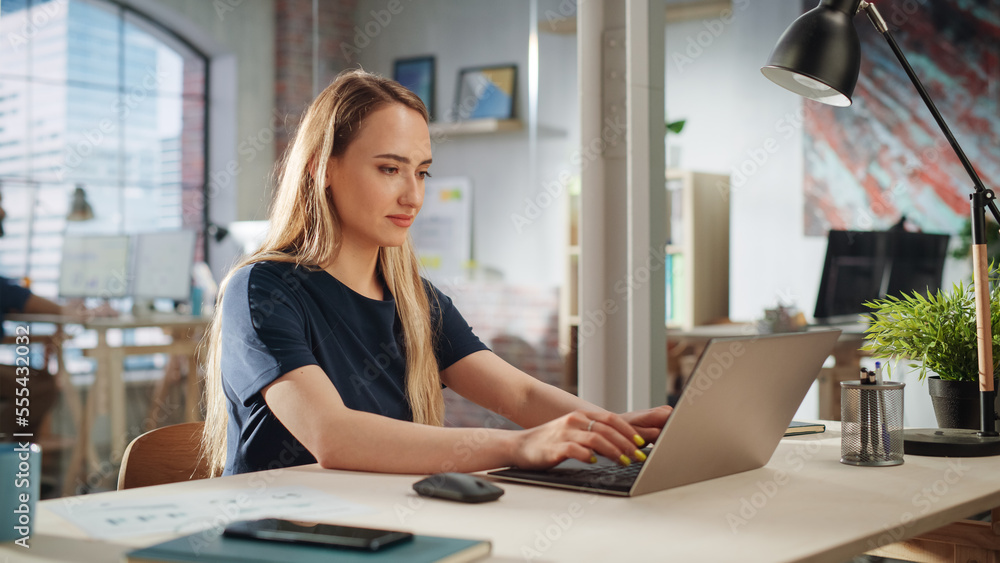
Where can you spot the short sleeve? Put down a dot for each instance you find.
(455, 339)
(263, 330)
(12, 296)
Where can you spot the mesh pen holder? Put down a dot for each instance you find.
(871, 423)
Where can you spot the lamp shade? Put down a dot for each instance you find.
(819, 55)
(80, 210)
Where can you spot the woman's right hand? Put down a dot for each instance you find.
(578, 435)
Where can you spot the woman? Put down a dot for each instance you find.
(328, 346)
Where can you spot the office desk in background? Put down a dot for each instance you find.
(803, 506)
(847, 356)
(185, 331)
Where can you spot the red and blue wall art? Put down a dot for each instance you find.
(885, 156)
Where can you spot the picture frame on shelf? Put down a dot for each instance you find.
(486, 92)
(417, 74)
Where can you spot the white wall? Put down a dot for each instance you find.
(504, 175)
(741, 124)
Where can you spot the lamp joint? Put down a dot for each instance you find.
(874, 15)
(988, 194)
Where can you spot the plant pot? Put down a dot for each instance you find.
(956, 403)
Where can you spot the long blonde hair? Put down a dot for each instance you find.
(305, 229)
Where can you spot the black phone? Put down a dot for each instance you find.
(329, 535)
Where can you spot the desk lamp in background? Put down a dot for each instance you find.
(819, 57)
(79, 209)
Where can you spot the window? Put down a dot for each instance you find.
(92, 94)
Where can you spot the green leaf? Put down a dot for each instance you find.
(937, 329)
(676, 126)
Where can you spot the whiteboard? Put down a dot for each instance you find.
(442, 232)
(94, 266)
(162, 263)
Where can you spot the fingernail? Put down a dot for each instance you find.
(624, 460)
(593, 459)
(638, 440)
(639, 455)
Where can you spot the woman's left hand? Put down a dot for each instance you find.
(648, 422)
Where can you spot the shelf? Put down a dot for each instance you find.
(474, 127)
(675, 12)
(698, 263)
(558, 26)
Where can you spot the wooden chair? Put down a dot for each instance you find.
(165, 455)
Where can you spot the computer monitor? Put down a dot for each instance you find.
(864, 265)
(162, 263)
(94, 266)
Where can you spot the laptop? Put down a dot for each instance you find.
(730, 417)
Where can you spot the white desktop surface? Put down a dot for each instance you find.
(803, 506)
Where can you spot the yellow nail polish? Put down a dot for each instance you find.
(639, 455)
(593, 459)
(624, 460)
(638, 440)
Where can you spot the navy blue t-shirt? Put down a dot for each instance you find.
(12, 298)
(277, 317)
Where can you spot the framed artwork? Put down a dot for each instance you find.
(417, 75)
(885, 157)
(486, 92)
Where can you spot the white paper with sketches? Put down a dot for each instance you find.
(107, 517)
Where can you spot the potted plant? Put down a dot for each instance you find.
(673, 150)
(937, 332)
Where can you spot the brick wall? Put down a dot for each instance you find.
(520, 324)
(293, 81)
(192, 150)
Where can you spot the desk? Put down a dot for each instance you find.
(803, 506)
(186, 334)
(847, 356)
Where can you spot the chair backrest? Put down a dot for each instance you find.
(165, 455)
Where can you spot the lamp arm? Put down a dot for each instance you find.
(982, 199)
(876, 18)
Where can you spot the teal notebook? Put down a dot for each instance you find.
(212, 547)
(797, 428)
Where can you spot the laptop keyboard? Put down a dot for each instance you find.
(604, 477)
(618, 474)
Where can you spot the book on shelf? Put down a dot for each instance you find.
(212, 547)
(798, 427)
(675, 299)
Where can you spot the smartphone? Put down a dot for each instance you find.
(314, 533)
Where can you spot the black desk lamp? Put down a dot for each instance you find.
(819, 57)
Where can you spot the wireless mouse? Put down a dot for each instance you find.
(458, 486)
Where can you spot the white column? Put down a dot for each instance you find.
(646, 231)
(622, 343)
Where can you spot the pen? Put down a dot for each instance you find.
(873, 415)
(865, 424)
(882, 415)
